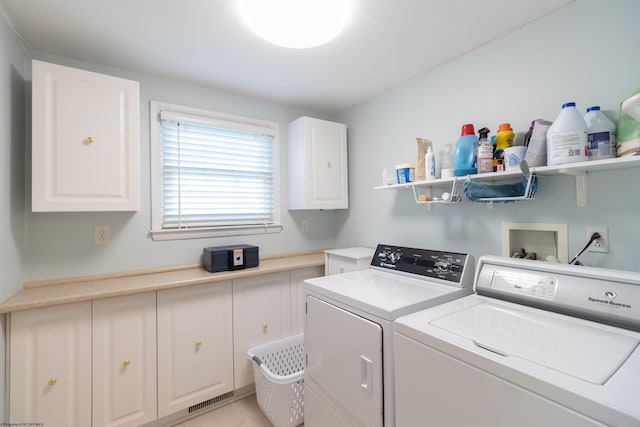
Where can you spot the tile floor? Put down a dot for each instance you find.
(242, 413)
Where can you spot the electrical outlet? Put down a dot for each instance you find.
(304, 226)
(101, 234)
(601, 244)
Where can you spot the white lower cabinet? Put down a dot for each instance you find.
(128, 360)
(261, 313)
(124, 360)
(297, 278)
(195, 345)
(50, 366)
(338, 261)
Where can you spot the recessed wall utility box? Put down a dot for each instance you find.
(542, 239)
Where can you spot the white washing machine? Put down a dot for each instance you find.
(349, 330)
(539, 344)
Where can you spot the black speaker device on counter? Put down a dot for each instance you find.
(226, 258)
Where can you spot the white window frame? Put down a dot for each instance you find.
(224, 120)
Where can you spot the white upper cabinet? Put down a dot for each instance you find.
(85, 140)
(317, 152)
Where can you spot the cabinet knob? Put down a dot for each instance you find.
(126, 363)
(265, 327)
(89, 139)
(328, 164)
(198, 344)
(52, 381)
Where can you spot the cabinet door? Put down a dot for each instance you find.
(85, 142)
(338, 261)
(50, 365)
(195, 345)
(124, 360)
(297, 278)
(317, 164)
(339, 264)
(261, 313)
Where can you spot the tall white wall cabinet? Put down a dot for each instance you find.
(317, 152)
(85, 141)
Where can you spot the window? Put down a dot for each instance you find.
(212, 174)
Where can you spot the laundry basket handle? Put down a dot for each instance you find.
(257, 360)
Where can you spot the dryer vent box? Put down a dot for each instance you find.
(226, 258)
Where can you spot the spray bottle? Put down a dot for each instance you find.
(485, 152)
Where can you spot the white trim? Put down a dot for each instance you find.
(157, 232)
(200, 233)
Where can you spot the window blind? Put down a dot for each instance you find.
(215, 176)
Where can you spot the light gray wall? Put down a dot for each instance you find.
(586, 52)
(12, 161)
(61, 244)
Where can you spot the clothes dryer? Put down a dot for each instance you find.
(349, 330)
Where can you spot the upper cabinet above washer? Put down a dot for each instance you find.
(85, 141)
(317, 152)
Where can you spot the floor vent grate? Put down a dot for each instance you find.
(207, 403)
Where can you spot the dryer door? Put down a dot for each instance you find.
(344, 357)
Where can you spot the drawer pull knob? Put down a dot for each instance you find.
(126, 363)
(52, 381)
(89, 140)
(198, 344)
(264, 327)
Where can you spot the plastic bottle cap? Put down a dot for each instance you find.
(504, 127)
(568, 104)
(467, 129)
(594, 108)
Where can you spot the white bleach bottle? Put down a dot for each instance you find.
(567, 137)
(601, 134)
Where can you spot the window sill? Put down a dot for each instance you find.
(200, 233)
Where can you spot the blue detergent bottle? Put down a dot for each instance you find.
(464, 158)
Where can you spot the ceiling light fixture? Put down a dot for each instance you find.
(295, 23)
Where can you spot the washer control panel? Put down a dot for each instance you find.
(449, 266)
(533, 285)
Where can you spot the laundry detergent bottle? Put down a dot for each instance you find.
(464, 158)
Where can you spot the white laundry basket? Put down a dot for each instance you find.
(279, 375)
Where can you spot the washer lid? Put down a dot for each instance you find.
(568, 345)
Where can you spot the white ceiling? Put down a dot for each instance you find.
(204, 43)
